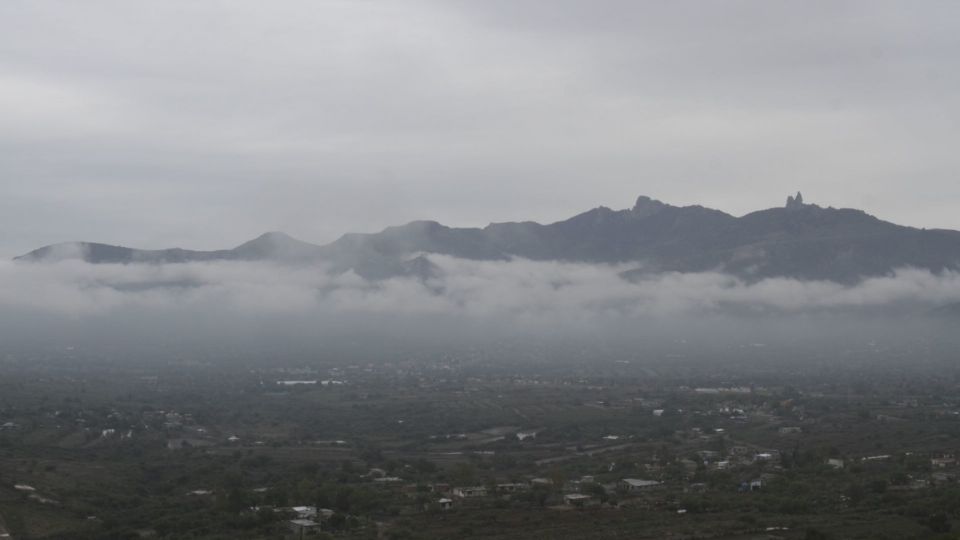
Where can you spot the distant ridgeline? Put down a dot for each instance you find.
(799, 240)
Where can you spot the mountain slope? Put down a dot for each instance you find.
(798, 240)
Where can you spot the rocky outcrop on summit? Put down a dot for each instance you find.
(795, 203)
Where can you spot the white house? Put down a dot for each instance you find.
(305, 512)
(470, 492)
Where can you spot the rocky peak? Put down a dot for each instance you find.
(646, 206)
(794, 203)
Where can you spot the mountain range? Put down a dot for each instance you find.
(799, 240)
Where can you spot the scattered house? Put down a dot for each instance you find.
(835, 463)
(943, 462)
(542, 482)
(200, 492)
(445, 503)
(611, 437)
(658, 412)
(635, 485)
(303, 527)
(524, 435)
(233, 439)
(23, 487)
(753, 485)
(386, 480)
(587, 479)
(763, 456)
(304, 512)
(470, 492)
(512, 487)
(8, 425)
(577, 500)
(790, 430)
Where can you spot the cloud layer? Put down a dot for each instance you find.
(521, 291)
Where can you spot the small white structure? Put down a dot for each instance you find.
(578, 500)
(470, 492)
(445, 503)
(943, 462)
(305, 512)
(387, 480)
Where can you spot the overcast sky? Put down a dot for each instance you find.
(202, 124)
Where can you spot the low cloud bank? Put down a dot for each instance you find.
(520, 290)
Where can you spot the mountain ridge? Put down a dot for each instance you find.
(798, 240)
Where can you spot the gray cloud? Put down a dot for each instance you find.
(519, 291)
(202, 125)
